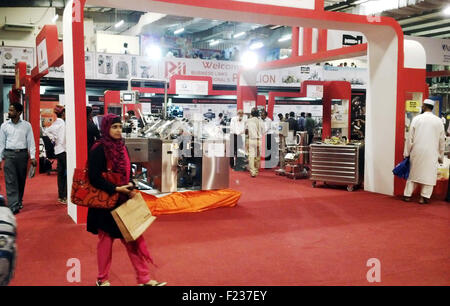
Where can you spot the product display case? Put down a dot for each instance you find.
(339, 118)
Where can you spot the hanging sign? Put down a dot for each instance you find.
(413, 106)
(189, 87)
(42, 56)
(314, 91)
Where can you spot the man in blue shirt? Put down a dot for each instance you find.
(16, 141)
(301, 121)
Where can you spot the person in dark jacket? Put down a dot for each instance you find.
(93, 133)
(293, 124)
(310, 124)
(111, 150)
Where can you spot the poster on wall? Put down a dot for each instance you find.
(48, 115)
(58, 72)
(113, 66)
(358, 116)
(144, 68)
(9, 56)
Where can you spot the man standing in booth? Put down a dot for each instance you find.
(237, 132)
(254, 129)
(16, 141)
(425, 147)
(57, 134)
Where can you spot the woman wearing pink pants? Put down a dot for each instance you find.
(111, 150)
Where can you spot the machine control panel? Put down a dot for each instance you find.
(129, 97)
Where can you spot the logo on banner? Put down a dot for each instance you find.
(373, 18)
(174, 68)
(76, 11)
(350, 40)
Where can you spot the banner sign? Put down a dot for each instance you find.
(122, 67)
(437, 50)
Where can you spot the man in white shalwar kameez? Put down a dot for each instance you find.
(425, 147)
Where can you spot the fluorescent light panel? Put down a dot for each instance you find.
(257, 45)
(179, 31)
(216, 42)
(285, 37)
(239, 35)
(447, 11)
(120, 23)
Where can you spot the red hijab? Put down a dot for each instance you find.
(115, 150)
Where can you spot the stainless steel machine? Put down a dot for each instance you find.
(171, 154)
(295, 162)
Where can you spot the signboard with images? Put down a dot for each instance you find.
(58, 72)
(9, 56)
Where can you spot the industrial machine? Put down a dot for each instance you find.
(295, 156)
(173, 154)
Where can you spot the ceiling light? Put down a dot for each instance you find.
(359, 2)
(119, 24)
(285, 37)
(215, 42)
(239, 35)
(55, 18)
(447, 10)
(154, 52)
(275, 27)
(257, 45)
(179, 31)
(249, 59)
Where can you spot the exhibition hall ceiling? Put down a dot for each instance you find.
(419, 18)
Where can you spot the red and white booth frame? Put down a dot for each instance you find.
(48, 40)
(390, 67)
(331, 90)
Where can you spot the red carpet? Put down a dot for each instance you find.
(282, 232)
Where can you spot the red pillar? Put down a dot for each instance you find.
(80, 93)
(322, 40)
(294, 41)
(34, 94)
(307, 41)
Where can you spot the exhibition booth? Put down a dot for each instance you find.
(388, 54)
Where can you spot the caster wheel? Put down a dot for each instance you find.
(350, 188)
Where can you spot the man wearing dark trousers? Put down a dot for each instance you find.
(57, 133)
(16, 141)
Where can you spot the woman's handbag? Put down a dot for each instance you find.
(84, 194)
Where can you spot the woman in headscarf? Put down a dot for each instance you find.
(110, 150)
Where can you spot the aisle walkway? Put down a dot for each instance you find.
(282, 232)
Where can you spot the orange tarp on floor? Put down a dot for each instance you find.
(191, 201)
